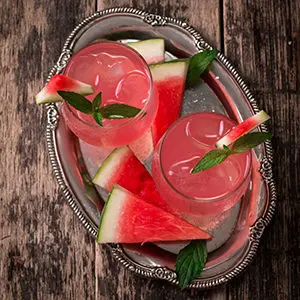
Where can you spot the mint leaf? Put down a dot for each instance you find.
(118, 111)
(198, 63)
(249, 141)
(98, 117)
(228, 151)
(190, 262)
(77, 101)
(210, 159)
(97, 102)
(243, 144)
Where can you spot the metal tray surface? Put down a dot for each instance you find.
(238, 233)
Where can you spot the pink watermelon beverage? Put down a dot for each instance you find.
(123, 77)
(208, 192)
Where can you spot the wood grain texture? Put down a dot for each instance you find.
(203, 15)
(44, 251)
(262, 39)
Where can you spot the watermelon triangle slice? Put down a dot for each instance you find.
(143, 147)
(242, 128)
(169, 82)
(152, 50)
(123, 168)
(61, 83)
(128, 219)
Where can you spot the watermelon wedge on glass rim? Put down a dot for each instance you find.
(129, 219)
(242, 128)
(123, 168)
(62, 83)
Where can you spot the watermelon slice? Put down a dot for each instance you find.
(242, 129)
(169, 82)
(61, 83)
(152, 50)
(128, 219)
(143, 147)
(123, 168)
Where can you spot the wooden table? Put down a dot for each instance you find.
(45, 252)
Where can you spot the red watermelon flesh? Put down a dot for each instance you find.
(242, 128)
(122, 167)
(61, 83)
(169, 81)
(143, 147)
(128, 219)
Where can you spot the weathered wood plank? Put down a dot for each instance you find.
(44, 251)
(113, 281)
(203, 15)
(45, 256)
(262, 39)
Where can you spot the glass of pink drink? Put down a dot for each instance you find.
(206, 193)
(122, 76)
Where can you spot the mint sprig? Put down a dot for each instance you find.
(190, 262)
(109, 111)
(210, 159)
(95, 107)
(243, 144)
(98, 118)
(198, 64)
(249, 141)
(97, 102)
(118, 111)
(78, 101)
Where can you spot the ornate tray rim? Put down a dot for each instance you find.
(164, 273)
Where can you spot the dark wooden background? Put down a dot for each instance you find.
(45, 252)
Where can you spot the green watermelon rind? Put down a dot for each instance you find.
(150, 49)
(102, 178)
(145, 42)
(105, 214)
(169, 68)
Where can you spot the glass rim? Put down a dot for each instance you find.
(202, 199)
(141, 113)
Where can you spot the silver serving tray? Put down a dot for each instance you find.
(74, 162)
